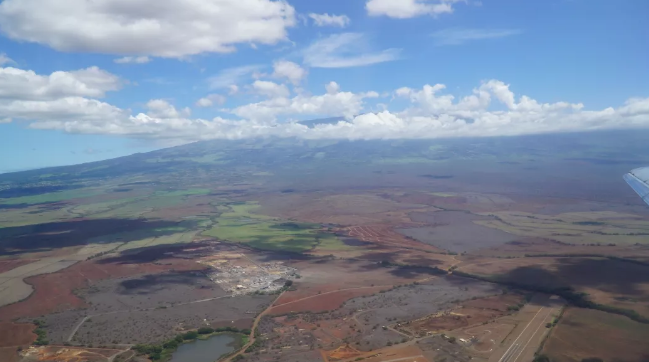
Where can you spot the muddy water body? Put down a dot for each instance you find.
(208, 350)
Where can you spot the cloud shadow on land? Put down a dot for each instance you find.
(49, 236)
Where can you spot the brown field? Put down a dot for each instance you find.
(584, 333)
(470, 312)
(9, 354)
(607, 281)
(6, 265)
(409, 353)
(69, 354)
(488, 336)
(323, 302)
(384, 235)
(16, 334)
(54, 292)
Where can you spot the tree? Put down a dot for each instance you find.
(288, 283)
(190, 335)
(541, 358)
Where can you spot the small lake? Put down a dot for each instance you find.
(208, 350)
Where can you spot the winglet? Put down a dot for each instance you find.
(638, 179)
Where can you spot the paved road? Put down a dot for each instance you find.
(521, 345)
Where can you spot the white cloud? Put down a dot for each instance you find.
(232, 76)
(330, 20)
(270, 89)
(134, 60)
(164, 28)
(210, 100)
(233, 89)
(432, 113)
(5, 120)
(345, 104)
(25, 84)
(456, 36)
(289, 70)
(404, 9)
(159, 108)
(4, 59)
(345, 50)
(332, 88)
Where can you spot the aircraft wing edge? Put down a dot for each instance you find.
(638, 179)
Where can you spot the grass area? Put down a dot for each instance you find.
(602, 228)
(50, 197)
(239, 223)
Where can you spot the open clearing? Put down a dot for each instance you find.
(455, 231)
(586, 333)
(604, 227)
(69, 354)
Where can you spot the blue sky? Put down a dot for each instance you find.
(175, 84)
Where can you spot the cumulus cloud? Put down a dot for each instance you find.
(404, 9)
(134, 60)
(330, 20)
(270, 89)
(345, 104)
(26, 84)
(163, 28)
(230, 77)
(210, 100)
(4, 59)
(345, 50)
(332, 88)
(159, 108)
(491, 109)
(233, 89)
(457, 36)
(289, 70)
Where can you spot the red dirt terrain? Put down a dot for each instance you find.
(384, 235)
(6, 265)
(323, 302)
(16, 334)
(53, 292)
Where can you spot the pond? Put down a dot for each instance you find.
(206, 350)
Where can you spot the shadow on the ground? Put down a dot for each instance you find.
(49, 236)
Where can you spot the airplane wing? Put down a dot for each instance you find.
(638, 179)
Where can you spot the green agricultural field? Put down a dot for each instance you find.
(238, 223)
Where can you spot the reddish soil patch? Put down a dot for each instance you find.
(383, 235)
(325, 302)
(16, 334)
(343, 352)
(53, 292)
(9, 354)
(6, 265)
(73, 354)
